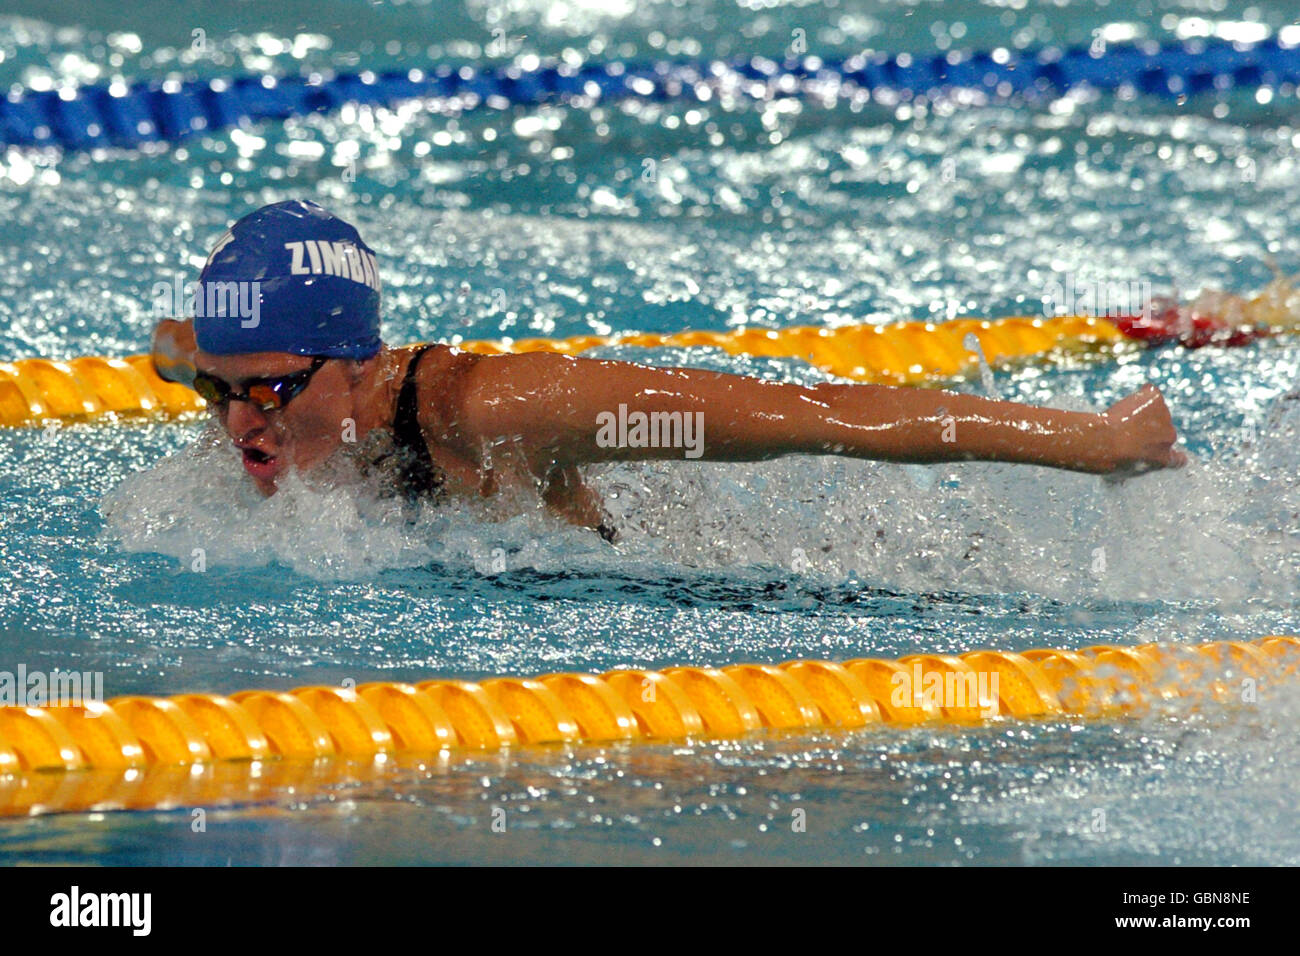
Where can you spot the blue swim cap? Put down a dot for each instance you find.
(289, 277)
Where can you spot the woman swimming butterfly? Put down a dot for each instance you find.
(285, 347)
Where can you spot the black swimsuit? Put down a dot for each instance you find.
(418, 475)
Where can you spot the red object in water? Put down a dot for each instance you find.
(1168, 323)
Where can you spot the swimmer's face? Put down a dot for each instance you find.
(304, 432)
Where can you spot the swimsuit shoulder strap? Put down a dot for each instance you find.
(420, 475)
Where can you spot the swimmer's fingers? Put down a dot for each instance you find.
(1143, 435)
(1174, 457)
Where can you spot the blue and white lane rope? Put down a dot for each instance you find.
(152, 111)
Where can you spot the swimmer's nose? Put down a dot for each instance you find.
(243, 418)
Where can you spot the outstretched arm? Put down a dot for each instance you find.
(555, 405)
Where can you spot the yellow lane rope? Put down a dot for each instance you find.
(36, 390)
(195, 749)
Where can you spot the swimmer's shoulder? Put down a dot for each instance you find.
(439, 364)
(442, 380)
(451, 370)
(460, 393)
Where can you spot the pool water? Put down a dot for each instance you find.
(549, 221)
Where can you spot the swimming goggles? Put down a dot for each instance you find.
(269, 394)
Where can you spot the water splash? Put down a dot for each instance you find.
(1224, 527)
(330, 525)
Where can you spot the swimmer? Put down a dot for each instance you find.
(294, 369)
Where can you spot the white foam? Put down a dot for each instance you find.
(1218, 529)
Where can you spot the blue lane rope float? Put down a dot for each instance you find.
(153, 111)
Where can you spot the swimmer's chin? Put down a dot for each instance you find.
(345, 466)
(268, 476)
(264, 469)
(267, 470)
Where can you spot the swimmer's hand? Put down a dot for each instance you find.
(173, 350)
(1143, 435)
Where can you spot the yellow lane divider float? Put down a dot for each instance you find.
(903, 353)
(203, 749)
(906, 353)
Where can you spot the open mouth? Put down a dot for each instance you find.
(258, 463)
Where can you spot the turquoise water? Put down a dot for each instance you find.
(541, 222)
